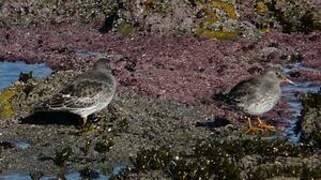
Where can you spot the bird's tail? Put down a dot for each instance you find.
(40, 107)
(223, 100)
(220, 97)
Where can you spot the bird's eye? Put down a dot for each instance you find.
(278, 74)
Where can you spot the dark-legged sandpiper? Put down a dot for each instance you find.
(88, 93)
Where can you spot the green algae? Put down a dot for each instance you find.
(289, 15)
(311, 118)
(217, 158)
(277, 170)
(104, 145)
(86, 148)
(261, 8)
(6, 109)
(62, 155)
(152, 159)
(315, 138)
(221, 35)
(311, 173)
(228, 8)
(88, 173)
(294, 16)
(126, 29)
(311, 100)
(122, 125)
(205, 32)
(158, 6)
(204, 163)
(210, 18)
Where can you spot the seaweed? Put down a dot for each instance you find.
(216, 158)
(104, 145)
(62, 155)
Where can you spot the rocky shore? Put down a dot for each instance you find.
(169, 58)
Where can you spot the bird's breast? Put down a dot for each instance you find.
(262, 104)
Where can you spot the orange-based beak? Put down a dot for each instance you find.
(288, 80)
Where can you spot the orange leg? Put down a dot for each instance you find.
(265, 126)
(252, 129)
(260, 128)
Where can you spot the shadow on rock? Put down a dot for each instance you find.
(62, 118)
(213, 123)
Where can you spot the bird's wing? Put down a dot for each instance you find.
(80, 94)
(244, 91)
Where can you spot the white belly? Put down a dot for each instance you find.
(84, 112)
(261, 106)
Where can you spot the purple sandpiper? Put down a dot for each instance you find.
(257, 96)
(88, 93)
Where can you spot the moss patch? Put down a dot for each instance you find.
(311, 121)
(261, 8)
(218, 158)
(312, 100)
(158, 6)
(213, 24)
(221, 35)
(228, 8)
(126, 29)
(6, 109)
(294, 16)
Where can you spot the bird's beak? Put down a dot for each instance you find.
(288, 81)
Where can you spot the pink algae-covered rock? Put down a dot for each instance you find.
(185, 69)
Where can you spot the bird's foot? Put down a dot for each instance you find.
(260, 128)
(265, 126)
(254, 130)
(86, 127)
(93, 118)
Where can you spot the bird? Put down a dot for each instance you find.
(256, 96)
(86, 94)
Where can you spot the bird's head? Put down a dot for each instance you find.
(103, 64)
(276, 72)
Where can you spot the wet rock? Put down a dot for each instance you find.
(130, 116)
(214, 123)
(88, 173)
(35, 175)
(227, 158)
(175, 147)
(108, 23)
(311, 122)
(162, 84)
(17, 144)
(295, 74)
(288, 16)
(24, 77)
(6, 145)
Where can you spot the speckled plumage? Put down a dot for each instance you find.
(88, 93)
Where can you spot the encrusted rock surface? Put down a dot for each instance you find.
(169, 58)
